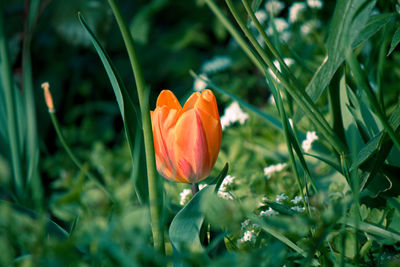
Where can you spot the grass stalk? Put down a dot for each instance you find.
(154, 188)
(12, 127)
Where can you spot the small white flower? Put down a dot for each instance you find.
(281, 197)
(199, 84)
(245, 224)
(261, 16)
(274, 7)
(248, 236)
(233, 113)
(296, 200)
(318, 4)
(295, 11)
(201, 186)
(311, 137)
(280, 24)
(309, 26)
(217, 63)
(288, 61)
(298, 209)
(268, 171)
(228, 180)
(185, 196)
(268, 212)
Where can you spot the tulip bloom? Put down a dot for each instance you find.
(186, 140)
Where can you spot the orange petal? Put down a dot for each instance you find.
(191, 102)
(208, 103)
(167, 98)
(191, 149)
(163, 143)
(213, 131)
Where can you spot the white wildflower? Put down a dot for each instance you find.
(311, 137)
(201, 186)
(280, 24)
(217, 63)
(261, 16)
(296, 200)
(309, 26)
(248, 236)
(228, 180)
(281, 197)
(298, 209)
(245, 224)
(268, 212)
(268, 171)
(199, 84)
(295, 11)
(318, 4)
(274, 7)
(185, 196)
(288, 61)
(232, 114)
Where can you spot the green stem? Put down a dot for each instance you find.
(300, 96)
(8, 87)
(266, 39)
(75, 159)
(154, 198)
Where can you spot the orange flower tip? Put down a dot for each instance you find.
(47, 97)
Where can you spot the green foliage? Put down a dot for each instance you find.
(314, 160)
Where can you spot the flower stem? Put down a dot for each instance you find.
(154, 188)
(195, 188)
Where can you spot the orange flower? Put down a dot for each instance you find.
(186, 140)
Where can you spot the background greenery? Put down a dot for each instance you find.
(62, 218)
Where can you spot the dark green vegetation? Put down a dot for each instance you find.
(333, 201)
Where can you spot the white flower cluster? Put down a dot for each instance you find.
(199, 84)
(185, 196)
(296, 200)
(288, 61)
(298, 209)
(248, 236)
(274, 7)
(268, 212)
(309, 26)
(268, 171)
(245, 223)
(233, 113)
(223, 189)
(311, 137)
(281, 197)
(281, 27)
(296, 10)
(217, 63)
(318, 4)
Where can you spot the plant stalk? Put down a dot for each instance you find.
(154, 188)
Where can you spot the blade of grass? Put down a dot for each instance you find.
(153, 184)
(32, 147)
(301, 98)
(8, 87)
(127, 108)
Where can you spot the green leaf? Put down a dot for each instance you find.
(374, 230)
(349, 19)
(374, 24)
(184, 231)
(125, 102)
(395, 41)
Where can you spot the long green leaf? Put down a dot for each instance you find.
(395, 41)
(125, 103)
(349, 19)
